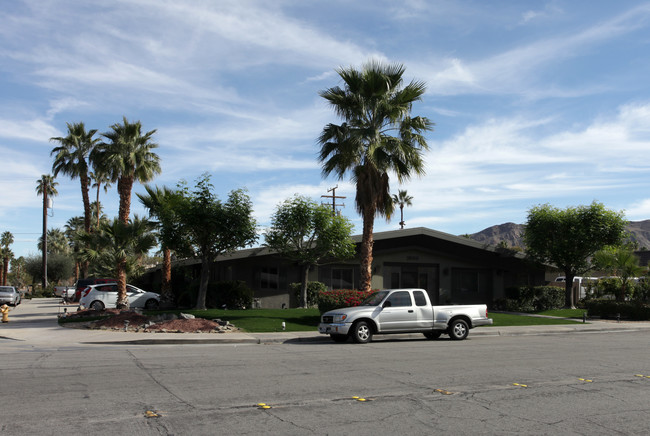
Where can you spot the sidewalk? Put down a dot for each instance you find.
(35, 322)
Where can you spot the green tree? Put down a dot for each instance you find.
(126, 157)
(5, 243)
(161, 203)
(620, 262)
(378, 137)
(403, 199)
(307, 234)
(117, 250)
(568, 238)
(59, 267)
(18, 276)
(45, 186)
(213, 228)
(71, 158)
(73, 231)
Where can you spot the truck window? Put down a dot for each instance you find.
(400, 299)
(420, 299)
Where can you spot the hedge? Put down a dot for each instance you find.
(531, 299)
(610, 309)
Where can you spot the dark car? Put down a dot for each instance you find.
(84, 283)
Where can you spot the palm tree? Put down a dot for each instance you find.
(73, 231)
(57, 242)
(121, 249)
(98, 179)
(403, 199)
(159, 202)
(71, 158)
(125, 158)
(378, 136)
(45, 186)
(622, 263)
(5, 242)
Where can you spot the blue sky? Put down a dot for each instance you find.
(534, 102)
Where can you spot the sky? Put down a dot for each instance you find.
(535, 102)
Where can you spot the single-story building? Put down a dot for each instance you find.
(452, 269)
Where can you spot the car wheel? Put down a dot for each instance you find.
(97, 305)
(432, 334)
(458, 330)
(339, 338)
(151, 304)
(361, 332)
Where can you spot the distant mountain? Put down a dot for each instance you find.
(512, 234)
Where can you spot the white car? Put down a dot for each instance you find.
(104, 295)
(9, 295)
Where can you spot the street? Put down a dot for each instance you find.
(588, 383)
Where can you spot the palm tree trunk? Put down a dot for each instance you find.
(97, 203)
(367, 242)
(166, 290)
(122, 300)
(303, 286)
(5, 271)
(2, 279)
(44, 253)
(124, 187)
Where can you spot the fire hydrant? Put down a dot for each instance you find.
(4, 309)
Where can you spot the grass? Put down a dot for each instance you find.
(504, 319)
(299, 320)
(566, 313)
(264, 320)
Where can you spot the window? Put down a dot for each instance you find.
(400, 299)
(470, 281)
(342, 278)
(420, 300)
(269, 277)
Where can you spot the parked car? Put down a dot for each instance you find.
(104, 295)
(84, 283)
(9, 295)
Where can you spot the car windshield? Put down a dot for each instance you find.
(6, 289)
(375, 299)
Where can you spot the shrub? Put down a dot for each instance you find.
(334, 299)
(231, 294)
(610, 309)
(313, 289)
(532, 299)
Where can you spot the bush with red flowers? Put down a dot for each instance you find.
(337, 298)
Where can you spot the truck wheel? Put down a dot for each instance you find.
(339, 338)
(458, 330)
(361, 332)
(432, 335)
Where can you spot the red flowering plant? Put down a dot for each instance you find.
(337, 298)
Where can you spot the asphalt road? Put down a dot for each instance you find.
(586, 384)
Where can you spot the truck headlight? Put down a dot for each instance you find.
(339, 317)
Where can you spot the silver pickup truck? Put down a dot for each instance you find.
(401, 311)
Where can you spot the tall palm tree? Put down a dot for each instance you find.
(5, 242)
(121, 249)
(377, 136)
(99, 179)
(126, 157)
(403, 199)
(71, 158)
(159, 201)
(45, 186)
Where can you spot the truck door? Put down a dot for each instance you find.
(398, 313)
(423, 309)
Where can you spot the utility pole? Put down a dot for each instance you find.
(334, 197)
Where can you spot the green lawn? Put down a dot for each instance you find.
(297, 320)
(504, 319)
(566, 313)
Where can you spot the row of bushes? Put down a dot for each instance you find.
(531, 299)
(612, 287)
(611, 309)
(328, 300)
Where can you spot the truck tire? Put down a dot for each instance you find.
(339, 338)
(458, 329)
(361, 332)
(432, 334)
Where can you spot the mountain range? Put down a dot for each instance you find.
(512, 234)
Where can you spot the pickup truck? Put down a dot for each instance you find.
(401, 311)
